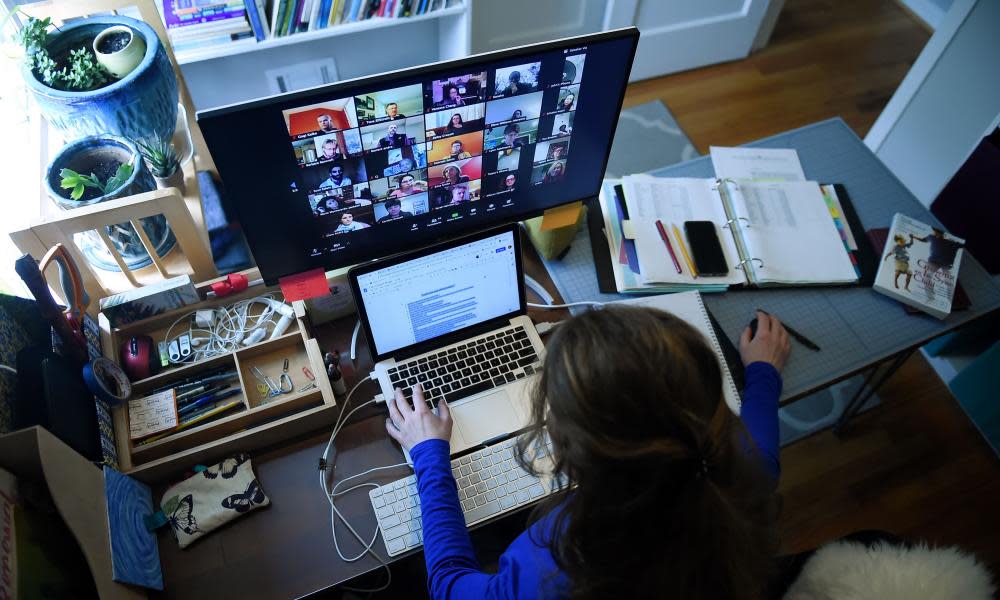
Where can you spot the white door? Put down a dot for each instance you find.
(677, 35)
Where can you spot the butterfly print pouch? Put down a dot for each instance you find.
(212, 497)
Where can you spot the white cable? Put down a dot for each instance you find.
(354, 341)
(567, 305)
(331, 493)
(11, 369)
(232, 325)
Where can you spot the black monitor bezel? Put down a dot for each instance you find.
(419, 348)
(457, 64)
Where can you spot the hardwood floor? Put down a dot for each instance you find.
(915, 465)
(826, 58)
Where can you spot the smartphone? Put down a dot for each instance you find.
(706, 250)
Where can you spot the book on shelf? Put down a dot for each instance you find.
(198, 24)
(771, 233)
(919, 266)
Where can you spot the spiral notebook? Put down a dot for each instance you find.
(772, 233)
(689, 307)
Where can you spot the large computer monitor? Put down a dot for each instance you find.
(339, 174)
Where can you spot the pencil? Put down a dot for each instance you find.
(207, 415)
(687, 257)
(666, 242)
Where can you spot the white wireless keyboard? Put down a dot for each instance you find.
(490, 482)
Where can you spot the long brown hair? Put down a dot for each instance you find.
(661, 498)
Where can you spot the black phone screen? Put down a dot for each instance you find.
(705, 248)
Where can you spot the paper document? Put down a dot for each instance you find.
(674, 201)
(757, 164)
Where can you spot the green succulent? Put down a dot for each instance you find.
(82, 72)
(160, 156)
(78, 183)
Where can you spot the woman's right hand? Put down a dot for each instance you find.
(770, 345)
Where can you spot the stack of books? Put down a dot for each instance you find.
(296, 16)
(199, 24)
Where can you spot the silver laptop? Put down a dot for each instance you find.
(453, 318)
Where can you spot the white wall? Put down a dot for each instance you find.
(498, 24)
(931, 12)
(948, 101)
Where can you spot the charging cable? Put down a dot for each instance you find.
(334, 492)
(227, 328)
(567, 305)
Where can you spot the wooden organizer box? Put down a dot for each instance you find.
(262, 421)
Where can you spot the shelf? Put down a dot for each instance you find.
(243, 47)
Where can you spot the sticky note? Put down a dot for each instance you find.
(561, 216)
(152, 414)
(302, 286)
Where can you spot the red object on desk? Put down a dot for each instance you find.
(666, 242)
(302, 286)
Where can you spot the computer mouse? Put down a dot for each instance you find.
(139, 358)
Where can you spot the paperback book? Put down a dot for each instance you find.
(919, 266)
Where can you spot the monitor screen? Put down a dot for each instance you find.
(340, 174)
(434, 295)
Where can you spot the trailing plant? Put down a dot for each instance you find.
(82, 72)
(77, 182)
(160, 156)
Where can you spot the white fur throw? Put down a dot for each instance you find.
(853, 571)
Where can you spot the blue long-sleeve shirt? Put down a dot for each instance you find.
(527, 568)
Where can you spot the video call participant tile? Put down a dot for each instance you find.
(511, 135)
(393, 134)
(501, 183)
(395, 161)
(327, 147)
(394, 209)
(557, 149)
(320, 119)
(351, 219)
(332, 199)
(552, 172)
(516, 80)
(336, 174)
(386, 105)
(456, 147)
(566, 100)
(505, 159)
(458, 171)
(515, 109)
(459, 90)
(454, 196)
(573, 68)
(399, 186)
(456, 121)
(562, 124)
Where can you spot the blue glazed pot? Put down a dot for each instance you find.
(141, 104)
(83, 156)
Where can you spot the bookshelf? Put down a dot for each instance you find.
(344, 29)
(244, 70)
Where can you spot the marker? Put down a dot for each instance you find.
(795, 334)
(666, 242)
(687, 257)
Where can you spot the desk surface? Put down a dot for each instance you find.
(854, 326)
(286, 550)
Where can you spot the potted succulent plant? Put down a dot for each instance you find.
(84, 82)
(100, 168)
(163, 162)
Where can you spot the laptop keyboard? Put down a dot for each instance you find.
(490, 482)
(470, 368)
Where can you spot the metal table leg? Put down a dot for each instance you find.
(868, 388)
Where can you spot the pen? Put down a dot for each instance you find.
(207, 415)
(208, 405)
(666, 242)
(795, 334)
(204, 399)
(687, 257)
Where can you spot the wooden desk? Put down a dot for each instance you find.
(286, 550)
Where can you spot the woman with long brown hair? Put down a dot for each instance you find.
(668, 494)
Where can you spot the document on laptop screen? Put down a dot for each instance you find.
(431, 296)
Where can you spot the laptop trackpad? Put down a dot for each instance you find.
(485, 417)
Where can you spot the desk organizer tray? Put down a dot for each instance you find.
(263, 418)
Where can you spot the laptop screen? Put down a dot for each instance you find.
(440, 293)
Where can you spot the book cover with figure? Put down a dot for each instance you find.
(919, 266)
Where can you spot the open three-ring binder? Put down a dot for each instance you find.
(772, 233)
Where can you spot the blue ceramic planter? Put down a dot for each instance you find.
(141, 104)
(82, 156)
